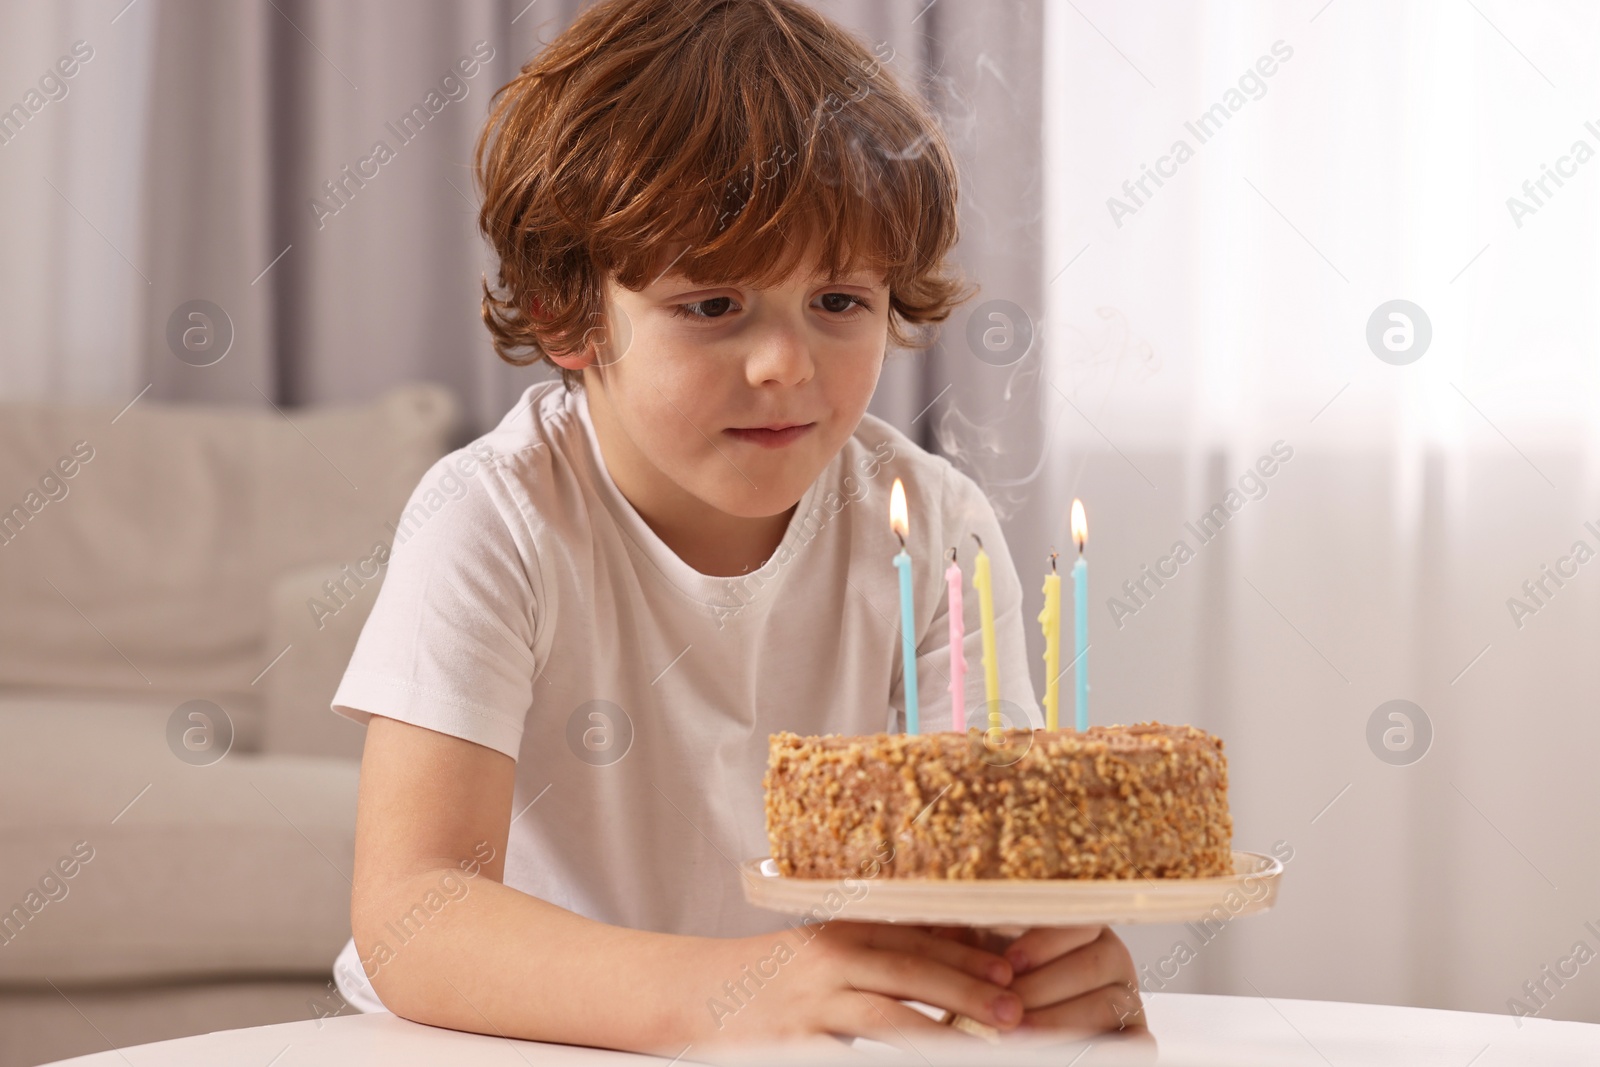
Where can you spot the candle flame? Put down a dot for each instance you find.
(1080, 525)
(897, 511)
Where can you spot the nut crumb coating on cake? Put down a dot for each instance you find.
(1148, 800)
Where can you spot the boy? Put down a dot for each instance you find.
(707, 219)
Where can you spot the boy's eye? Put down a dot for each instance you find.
(716, 307)
(859, 303)
(840, 304)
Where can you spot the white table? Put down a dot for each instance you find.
(1190, 1029)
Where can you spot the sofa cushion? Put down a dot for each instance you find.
(320, 632)
(137, 549)
(239, 867)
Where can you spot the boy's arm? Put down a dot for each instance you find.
(488, 960)
(495, 960)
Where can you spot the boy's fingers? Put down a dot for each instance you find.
(885, 1019)
(963, 957)
(1042, 944)
(1111, 1007)
(916, 976)
(1103, 961)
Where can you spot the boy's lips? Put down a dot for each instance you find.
(772, 438)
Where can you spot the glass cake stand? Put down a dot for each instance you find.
(1007, 907)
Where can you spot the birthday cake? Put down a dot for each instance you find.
(1148, 800)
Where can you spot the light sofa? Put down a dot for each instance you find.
(157, 879)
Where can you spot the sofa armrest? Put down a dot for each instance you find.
(315, 615)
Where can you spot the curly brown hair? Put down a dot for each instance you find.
(749, 129)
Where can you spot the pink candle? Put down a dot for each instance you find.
(958, 650)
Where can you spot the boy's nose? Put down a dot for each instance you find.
(780, 357)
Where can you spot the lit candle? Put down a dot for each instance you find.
(1080, 614)
(958, 649)
(983, 581)
(908, 640)
(1050, 618)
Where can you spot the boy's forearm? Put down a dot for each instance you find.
(498, 961)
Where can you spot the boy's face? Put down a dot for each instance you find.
(685, 365)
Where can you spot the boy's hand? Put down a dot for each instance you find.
(1076, 978)
(849, 980)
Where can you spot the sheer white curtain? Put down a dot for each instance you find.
(74, 272)
(1368, 156)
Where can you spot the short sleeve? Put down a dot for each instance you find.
(964, 511)
(449, 643)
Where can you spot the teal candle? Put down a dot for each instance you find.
(908, 640)
(899, 521)
(1080, 638)
(1080, 615)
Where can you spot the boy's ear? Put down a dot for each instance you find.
(574, 361)
(584, 357)
(607, 341)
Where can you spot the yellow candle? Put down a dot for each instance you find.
(983, 582)
(1050, 619)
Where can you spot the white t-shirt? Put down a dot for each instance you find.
(529, 608)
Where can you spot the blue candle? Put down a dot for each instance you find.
(908, 632)
(1080, 615)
